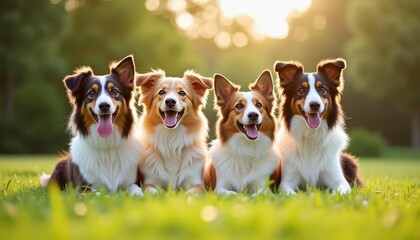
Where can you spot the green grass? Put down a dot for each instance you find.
(387, 208)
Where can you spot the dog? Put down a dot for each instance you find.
(312, 137)
(244, 155)
(105, 148)
(174, 131)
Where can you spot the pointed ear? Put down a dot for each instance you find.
(264, 85)
(287, 71)
(199, 83)
(125, 69)
(146, 81)
(333, 69)
(74, 82)
(223, 89)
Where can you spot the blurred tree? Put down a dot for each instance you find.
(102, 31)
(29, 36)
(385, 53)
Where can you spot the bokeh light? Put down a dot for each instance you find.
(236, 22)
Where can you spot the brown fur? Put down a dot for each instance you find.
(350, 167)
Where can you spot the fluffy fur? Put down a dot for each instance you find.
(244, 155)
(104, 150)
(312, 137)
(174, 130)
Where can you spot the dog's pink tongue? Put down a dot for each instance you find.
(313, 120)
(170, 118)
(105, 125)
(252, 131)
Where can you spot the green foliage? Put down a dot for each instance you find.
(366, 143)
(387, 208)
(384, 50)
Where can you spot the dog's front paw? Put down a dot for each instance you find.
(227, 193)
(288, 190)
(342, 189)
(262, 192)
(135, 190)
(152, 191)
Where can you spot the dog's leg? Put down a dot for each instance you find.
(334, 179)
(291, 179)
(259, 188)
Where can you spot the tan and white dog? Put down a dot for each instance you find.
(244, 155)
(174, 130)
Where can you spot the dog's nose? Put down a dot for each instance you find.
(170, 102)
(253, 116)
(104, 107)
(314, 105)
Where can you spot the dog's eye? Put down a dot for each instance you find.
(258, 105)
(181, 93)
(115, 92)
(239, 106)
(301, 91)
(323, 91)
(161, 92)
(91, 94)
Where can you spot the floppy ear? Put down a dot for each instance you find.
(73, 82)
(125, 70)
(199, 83)
(264, 85)
(287, 71)
(333, 69)
(223, 89)
(146, 81)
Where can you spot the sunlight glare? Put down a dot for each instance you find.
(176, 5)
(269, 15)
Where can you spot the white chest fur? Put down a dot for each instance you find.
(242, 162)
(308, 153)
(110, 162)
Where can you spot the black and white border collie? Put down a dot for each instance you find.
(105, 149)
(244, 154)
(312, 137)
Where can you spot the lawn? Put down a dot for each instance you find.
(387, 208)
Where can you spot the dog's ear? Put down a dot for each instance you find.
(146, 81)
(199, 83)
(74, 82)
(223, 89)
(125, 69)
(264, 85)
(333, 69)
(287, 71)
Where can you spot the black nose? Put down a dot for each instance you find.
(314, 106)
(170, 102)
(104, 107)
(253, 116)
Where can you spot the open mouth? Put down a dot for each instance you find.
(104, 122)
(313, 119)
(250, 130)
(171, 118)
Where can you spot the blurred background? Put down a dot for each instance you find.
(43, 41)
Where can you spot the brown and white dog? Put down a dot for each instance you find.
(174, 130)
(244, 155)
(312, 137)
(104, 150)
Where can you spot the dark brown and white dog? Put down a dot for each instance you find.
(312, 137)
(174, 131)
(104, 150)
(244, 155)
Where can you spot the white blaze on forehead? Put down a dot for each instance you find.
(249, 108)
(171, 94)
(103, 97)
(313, 95)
